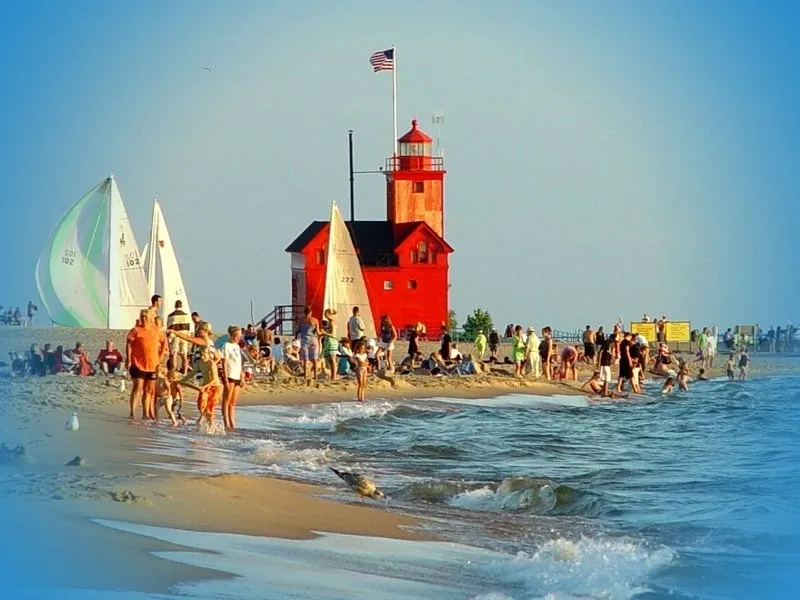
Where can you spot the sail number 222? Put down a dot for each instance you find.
(69, 257)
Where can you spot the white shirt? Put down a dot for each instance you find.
(355, 328)
(232, 357)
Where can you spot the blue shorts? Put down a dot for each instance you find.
(310, 351)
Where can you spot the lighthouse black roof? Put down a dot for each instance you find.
(375, 241)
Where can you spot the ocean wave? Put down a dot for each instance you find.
(515, 494)
(587, 568)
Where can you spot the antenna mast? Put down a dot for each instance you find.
(438, 119)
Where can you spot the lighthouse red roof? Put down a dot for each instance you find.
(415, 135)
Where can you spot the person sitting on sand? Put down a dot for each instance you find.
(600, 388)
(80, 359)
(669, 384)
(345, 361)
(362, 370)
(109, 359)
(164, 395)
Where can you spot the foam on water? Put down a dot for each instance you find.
(336, 566)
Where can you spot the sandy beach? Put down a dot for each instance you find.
(118, 478)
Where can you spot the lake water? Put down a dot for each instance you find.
(688, 496)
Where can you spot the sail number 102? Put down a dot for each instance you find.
(69, 257)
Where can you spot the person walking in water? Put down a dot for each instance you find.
(232, 377)
(309, 344)
(330, 343)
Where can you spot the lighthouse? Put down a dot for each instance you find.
(404, 259)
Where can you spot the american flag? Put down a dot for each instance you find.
(383, 60)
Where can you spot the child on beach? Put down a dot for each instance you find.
(362, 369)
(683, 377)
(173, 377)
(210, 386)
(701, 376)
(668, 385)
(600, 388)
(729, 367)
(164, 395)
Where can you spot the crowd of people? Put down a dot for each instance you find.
(162, 359)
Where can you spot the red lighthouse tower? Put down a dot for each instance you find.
(415, 182)
(405, 258)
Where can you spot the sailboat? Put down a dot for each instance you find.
(90, 274)
(344, 280)
(161, 265)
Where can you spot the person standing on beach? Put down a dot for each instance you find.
(625, 361)
(388, 337)
(480, 345)
(330, 343)
(355, 326)
(606, 360)
(413, 343)
(518, 351)
(546, 352)
(178, 320)
(533, 362)
(447, 343)
(309, 344)
(232, 377)
(494, 344)
(362, 370)
(588, 345)
(155, 306)
(744, 361)
(599, 342)
(143, 352)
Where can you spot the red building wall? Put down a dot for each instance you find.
(415, 292)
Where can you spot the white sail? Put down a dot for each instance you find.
(143, 257)
(163, 274)
(90, 274)
(344, 280)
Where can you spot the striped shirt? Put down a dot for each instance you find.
(179, 321)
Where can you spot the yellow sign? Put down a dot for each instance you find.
(678, 331)
(648, 330)
(748, 330)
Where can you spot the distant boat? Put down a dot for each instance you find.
(90, 274)
(344, 281)
(161, 265)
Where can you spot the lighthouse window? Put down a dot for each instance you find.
(414, 256)
(418, 187)
(422, 251)
(388, 285)
(320, 257)
(412, 284)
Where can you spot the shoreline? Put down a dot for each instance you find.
(112, 486)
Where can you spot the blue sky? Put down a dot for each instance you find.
(604, 158)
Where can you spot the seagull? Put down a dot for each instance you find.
(72, 423)
(209, 69)
(362, 486)
(122, 385)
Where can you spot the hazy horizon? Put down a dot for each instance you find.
(564, 126)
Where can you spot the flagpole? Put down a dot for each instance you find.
(394, 98)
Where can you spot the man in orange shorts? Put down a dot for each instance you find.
(144, 348)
